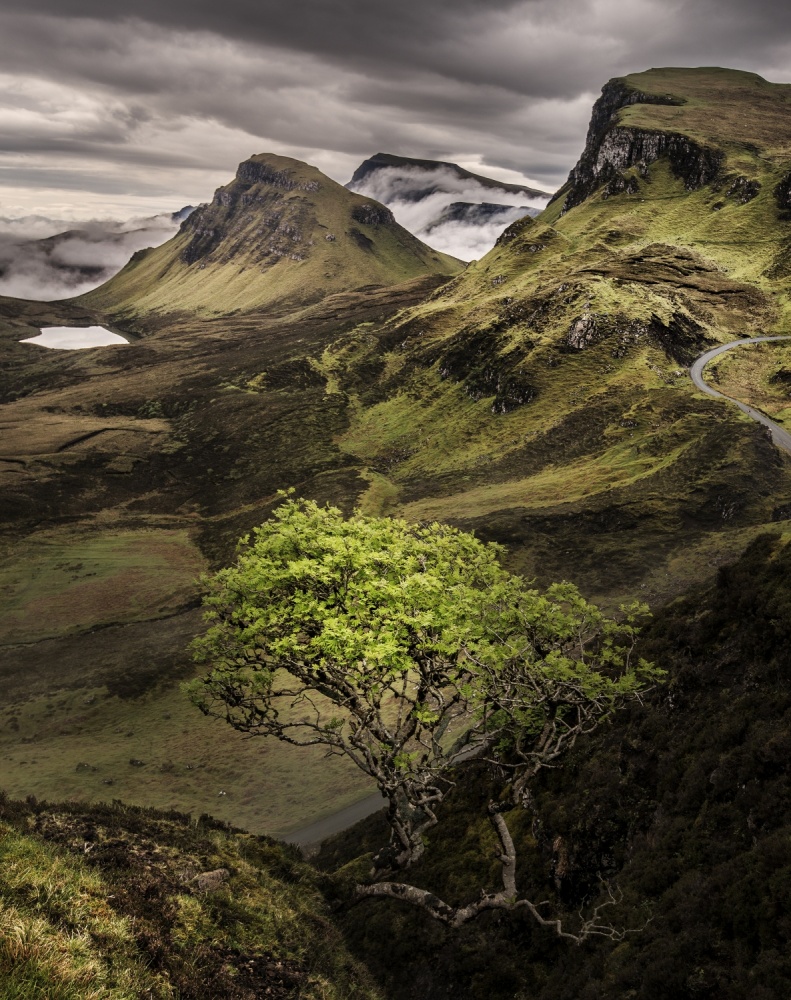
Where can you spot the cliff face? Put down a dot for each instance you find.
(611, 148)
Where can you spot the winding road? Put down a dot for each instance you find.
(335, 822)
(344, 818)
(780, 437)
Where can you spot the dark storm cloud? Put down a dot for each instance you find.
(450, 36)
(196, 84)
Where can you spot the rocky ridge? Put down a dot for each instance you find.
(612, 148)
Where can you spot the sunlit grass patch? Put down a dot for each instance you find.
(59, 937)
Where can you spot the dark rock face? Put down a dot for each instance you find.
(253, 172)
(472, 214)
(513, 390)
(621, 185)
(742, 189)
(362, 241)
(682, 339)
(204, 240)
(611, 149)
(476, 358)
(782, 193)
(372, 215)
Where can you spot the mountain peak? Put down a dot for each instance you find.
(280, 233)
(383, 161)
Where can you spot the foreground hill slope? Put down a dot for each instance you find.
(280, 234)
(117, 903)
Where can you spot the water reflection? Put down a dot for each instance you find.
(74, 338)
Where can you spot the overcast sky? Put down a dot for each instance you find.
(120, 109)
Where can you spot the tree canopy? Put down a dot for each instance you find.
(409, 649)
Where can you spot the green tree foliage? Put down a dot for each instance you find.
(410, 650)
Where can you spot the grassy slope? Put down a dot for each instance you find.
(264, 226)
(108, 903)
(614, 437)
(759, 374)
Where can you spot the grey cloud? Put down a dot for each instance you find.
(506, 84)
(76, 180)
(62, 264)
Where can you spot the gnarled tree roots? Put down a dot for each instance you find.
(507, 899)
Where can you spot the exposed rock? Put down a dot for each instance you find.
(782, 193)
(781, 377)
(743, 189)
(620, 185)
(479, 359)
(682, 339)
(513, 390)
(254, 172)
(515, 230)
(612, 148)
(372, 215)
(583, 332)
(210, 881)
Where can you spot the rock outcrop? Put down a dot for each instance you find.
(612, 148)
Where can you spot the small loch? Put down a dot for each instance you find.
(75, 338)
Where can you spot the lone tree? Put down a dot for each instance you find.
(408, 649)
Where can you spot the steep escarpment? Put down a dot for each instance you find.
(281, 235)
(611, 148)
(645, 117)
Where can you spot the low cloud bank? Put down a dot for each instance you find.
(48, 259)
(420, 198)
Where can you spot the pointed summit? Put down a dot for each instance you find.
(280, 234)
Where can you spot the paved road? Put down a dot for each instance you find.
(780, 437)
(336, 822)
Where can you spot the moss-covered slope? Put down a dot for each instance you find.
(113, 903)
(281, 234)
(541, 397)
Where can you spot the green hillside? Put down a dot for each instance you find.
(280, 234)
(542, 398)
(113, 903)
